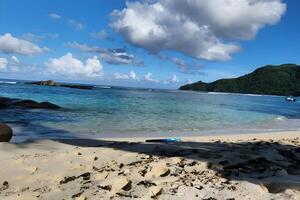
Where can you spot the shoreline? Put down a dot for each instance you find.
(248, 166)
(244, 136)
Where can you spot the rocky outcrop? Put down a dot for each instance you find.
(52, 83)
(6, 133)
(47, 83)
(29, 104)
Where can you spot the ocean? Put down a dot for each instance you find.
(108, 111)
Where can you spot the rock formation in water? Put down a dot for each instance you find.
(29, 104)
(52, 83)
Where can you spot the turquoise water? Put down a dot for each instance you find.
(129, 112)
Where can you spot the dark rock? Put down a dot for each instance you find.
(35, 105)
(68, 179)
(83, 87)
(77, 195)
(105, 187)
(85, 176)
(4, 101)
(8, 103)
(6, 133)
(147, 184)
(128, 186)
(52, 83)
(47, 83)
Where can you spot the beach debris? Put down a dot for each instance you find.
(121, 183)
(5, 186)
(68, 179)
(158, 169)
(146, 183)
(155, 191)
(165, 140)
(77, 195)
(86, 176)
(105, 187)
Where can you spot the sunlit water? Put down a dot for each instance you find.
(128, 112)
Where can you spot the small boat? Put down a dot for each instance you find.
(291, 99)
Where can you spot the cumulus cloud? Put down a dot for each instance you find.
(77, 25)
(131, 76)
(196, 28)
(10, 45)
(148, 77)
(68, 65)
(121, 76)
(116, 56)
(183, 67)
(54, 16)
(3, 63)
(9, 64)
(100, 35)
(174, 79)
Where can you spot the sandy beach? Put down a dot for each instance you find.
(254, 166)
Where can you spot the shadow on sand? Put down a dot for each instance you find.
(271, 164)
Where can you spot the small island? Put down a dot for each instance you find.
(268, 80)
(52, 83)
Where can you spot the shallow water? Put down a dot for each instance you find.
(128, 112)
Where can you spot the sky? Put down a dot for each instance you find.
(146, 43)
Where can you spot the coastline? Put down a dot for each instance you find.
(248, 166)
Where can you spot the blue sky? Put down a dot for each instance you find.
(158, 43)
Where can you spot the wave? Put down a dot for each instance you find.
(241, 94)
(280, 118)
(104, 87)
(8, 82)
(222, 93)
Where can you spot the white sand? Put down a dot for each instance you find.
(254, 166)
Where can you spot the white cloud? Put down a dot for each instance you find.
(148, 77)
(100, 35)
(131, 76)
(77, 25)
(15, 59)
(195, 28)
(10, 45)
(69, 65)
(37, 38)
(174, 79)
(32, 37)
(117, 56)
(54, 16)
(121, 76)
(194, 69)
(9, 64)
(3, 63)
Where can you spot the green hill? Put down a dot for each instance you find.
(271, 80)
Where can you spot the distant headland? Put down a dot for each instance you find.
(269, 80)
